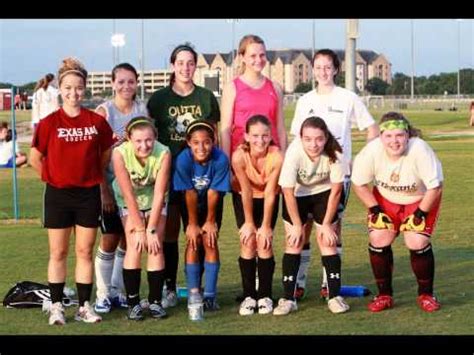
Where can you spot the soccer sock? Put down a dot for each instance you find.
(155, 285)
(192, 276)
(304, 266)
(84, 292)
(266, 268)
(423, 265)
(56, 290)
(247, 271)
(381, 260)
(202, 258)
(104, 264)
(291, 262)
(117, 273)
(211, 272)
(171, 252)
(131, 279)
(332, 265)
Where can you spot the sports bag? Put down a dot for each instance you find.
(28, 294)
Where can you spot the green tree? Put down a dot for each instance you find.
(377, 86)
(303, 87)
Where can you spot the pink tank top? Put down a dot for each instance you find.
(249, 102)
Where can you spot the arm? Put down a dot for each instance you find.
(282, 138)
(227, 109)
(372, 132)
(248, 229)
(326, 231)
(192, 230)
(210, 226)
(36, 160)
(297, 227)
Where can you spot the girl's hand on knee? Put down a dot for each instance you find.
(265, 234)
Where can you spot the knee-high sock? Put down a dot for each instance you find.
(155, 285)
(171, 252)
(291, 263)
(324, 283)
(381, 260)
(131, 279)
(265, 268)
(211, 272)
(104, 264)
(247, 271)
(117, 285)
(423, 265)
(332, 265)
(304, 266)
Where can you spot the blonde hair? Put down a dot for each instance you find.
(243, 44)
(72, 65)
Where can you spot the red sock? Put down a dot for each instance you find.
(422, 263)
(381, 260)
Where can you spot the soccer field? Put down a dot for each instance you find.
(24, 256)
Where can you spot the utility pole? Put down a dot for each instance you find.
(412, 96)
(313, 80)
(142, 60)
(352, 32)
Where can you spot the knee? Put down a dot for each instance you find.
(84, 253)
(58, 255)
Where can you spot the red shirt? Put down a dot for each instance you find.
(72, 148)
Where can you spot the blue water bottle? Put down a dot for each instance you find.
(354, 291)
(182, 292)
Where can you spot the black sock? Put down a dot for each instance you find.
(423, 265)
(131, 279)
(247, 270)
(171, 253)
(381, 260)
(202, 258)
(56, 290)
(84, 292)
(155, 285)
(291, 263)
(266, 268)
(332, 264)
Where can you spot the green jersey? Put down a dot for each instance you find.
(173, 113)
(142, 177)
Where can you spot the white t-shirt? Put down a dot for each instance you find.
(308, 177)
(44, 103)
(6, 151)
(341, 110)
(404, 181)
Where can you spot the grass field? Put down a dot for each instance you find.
(24, 256)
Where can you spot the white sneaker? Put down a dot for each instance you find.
(56, 314)
(170, 299)
(102, 305)
(87, 314)
(338, 305)
(248, 306)
(265, 305)
(285, 307)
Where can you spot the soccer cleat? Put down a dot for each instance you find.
(170, 299)
(211, 305)
(380, 303)
(248, 306)
(102, 305)
(265, 305)
(300, 293)
(157, 311)
(135, 313)
(324, 292)
(87, 314)
(338, 305)
(119, 301)
(56, 314)
(428, 303)
(285, 307)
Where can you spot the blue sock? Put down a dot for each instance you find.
(192, 276)
(211, 271)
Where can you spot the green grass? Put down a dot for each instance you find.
(24, 256)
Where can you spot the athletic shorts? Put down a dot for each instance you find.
(398, 213)
(110, 223)
(312, 204)
(341, 207)
(67, 207)
(175, 198)
(202, 213)
(123, 211)
(258, 210)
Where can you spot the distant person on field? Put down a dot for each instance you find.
(6, 148)
(24, 100)
(407, 181)
(70, 150)
(45, 100)
(471, 110)
(17, 101)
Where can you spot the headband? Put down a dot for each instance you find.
(198, 123)
(138, 122)
(72, 71)
(393, 124)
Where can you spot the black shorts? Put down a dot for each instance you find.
(202, 213)
(111, 223)
(68, 207)
(175, 198)
(315, 205)
(258, 210)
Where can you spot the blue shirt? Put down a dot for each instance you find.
(214, 174)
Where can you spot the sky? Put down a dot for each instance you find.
(30, 48)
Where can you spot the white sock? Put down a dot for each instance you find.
(304, 266)
(104, 263)
(117, 274)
